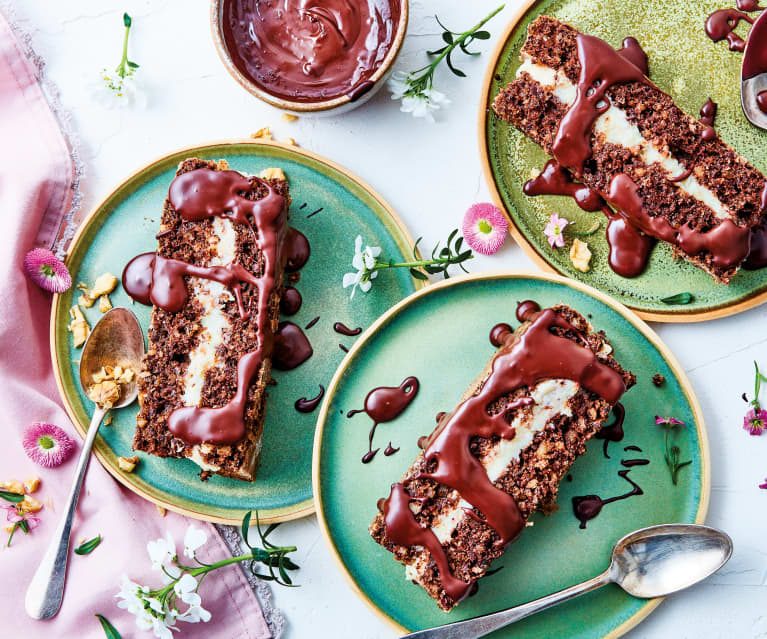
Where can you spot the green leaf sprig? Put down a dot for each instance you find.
(88, 547)
(14, 498)
(109, 630)
(679, 298)
(272, 556)
(672, 450)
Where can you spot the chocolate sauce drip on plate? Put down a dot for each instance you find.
(202, 194)
(439, 416)
(629, 248)
(312, 323)
(556, 180)
(305, 405)
(634, 448)
(537, 355)
(498, 335)
(338, 327)
(310, 51)
(634, 53)
(291, 347)
(612, 432)
(402, 529)
(383, 404)
(297, 250)
(343, 348)
(721, 25)
(601, 67)
(526, 310)
(390, 450)
(728, 243)
(630, 463)
(291, 301)
(748, 5)
(757, 257)
(589, 506)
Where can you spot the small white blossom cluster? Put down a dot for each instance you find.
(113, 91)
(417, 99)
(363, 261)
(157, 610)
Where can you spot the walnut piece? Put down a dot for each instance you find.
(78, 326)
(32, 484)
(30, 505)
(12, 486)
(264, 133)
(127, 464)
(105, 304)
(580, 255)
(289, 117)
(105, 393)
(272, 174)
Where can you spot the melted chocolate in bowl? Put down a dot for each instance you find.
(309, 50)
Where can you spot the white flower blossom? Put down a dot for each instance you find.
(399, 84)
(363, 261)
(423, 104)
(114, 92)
(193, 539)
(161, 553)
(186, 589)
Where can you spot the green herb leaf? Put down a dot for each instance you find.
(132, 65)
(12, 497)
(418, 274)
(24, 526)
(447, 37)
(127, 20)
(679, 298)
(109, 630)
(245, 526)
(88, 546)
(481, 35)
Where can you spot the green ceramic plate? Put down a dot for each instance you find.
(447, 326)
(125, 223)
(685, 63)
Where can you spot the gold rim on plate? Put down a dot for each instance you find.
(622, 310)
(296, 511)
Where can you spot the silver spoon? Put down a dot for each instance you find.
(752, 87)
(116, 340)
(648, 563)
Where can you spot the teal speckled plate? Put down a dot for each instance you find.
(446, 327)
(687, 65)
(124, 225)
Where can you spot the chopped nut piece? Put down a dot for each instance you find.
(105, 304)
(580, 255)
(127, 376)
(103, 285)
(12, 486)
(32, 484)
(105, 393)
(9, 528)
(85, 301)
(223, 165)
(290, 141)
(78, 326)
(160, 510)
(264, 133)
(272, 174)
(127, 464)
(30, 505)
(108, 419)
(289, 117)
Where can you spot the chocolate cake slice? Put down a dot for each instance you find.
(667, 174)
(500, 455)
(215, 285)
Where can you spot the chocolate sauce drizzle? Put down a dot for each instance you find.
(721, 25)
(538, 354)
(612, 432)
(291, 347)
(291, 301)
(305, 405)
(383, 404)
(390, 450)
(297, 250)
(199, 195)
(556, 180)
(498, 335)
(312, 323)
(589, 506)
(338, 327)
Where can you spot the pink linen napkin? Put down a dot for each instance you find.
(36, 179)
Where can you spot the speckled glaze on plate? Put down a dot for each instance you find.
(124, 225)
(446, 325)
(687, 65)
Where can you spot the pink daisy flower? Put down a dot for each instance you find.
(755, 421)
(47, 271)
(554, 230)
(668, 421)
(484, 228)
(46, 444)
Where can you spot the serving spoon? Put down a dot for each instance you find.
(116, 340)
(754, 74)
(648, 563)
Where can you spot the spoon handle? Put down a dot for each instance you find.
(480, 626)
(46, 590)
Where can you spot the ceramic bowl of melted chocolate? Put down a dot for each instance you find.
(309, 56)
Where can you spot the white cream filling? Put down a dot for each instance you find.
(551, 399)
(613, 124)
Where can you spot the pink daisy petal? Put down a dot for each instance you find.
(32, 522)
(13, 514)
(484, 228)
(47, 271)
(764, 485)
(46, 444)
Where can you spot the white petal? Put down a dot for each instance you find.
(365, 286)
(187, 583)
(351, 278)
(358, 244)
(375, 251)
(193, 539)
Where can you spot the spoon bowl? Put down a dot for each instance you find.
(753, 74)
(656, 561)
(116, 340)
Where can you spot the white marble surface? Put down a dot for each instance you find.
(430, 174)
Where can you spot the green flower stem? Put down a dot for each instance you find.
(121, 70)
(429, 68)
(163, 593)
(417, 264)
